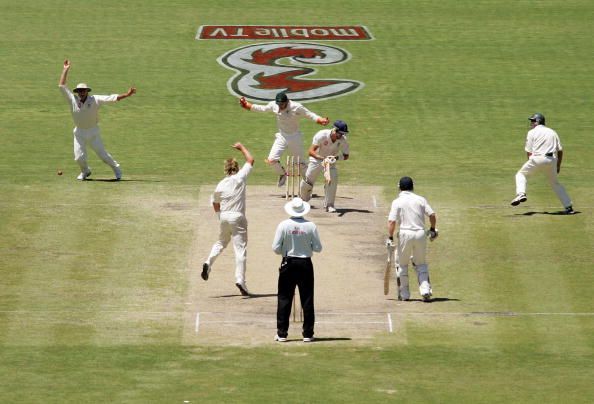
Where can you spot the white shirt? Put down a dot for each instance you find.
(296, 237)
(542, 140)
(86, 116)
(287, 120)
(326, 148)
(230, 192)
(409, 211)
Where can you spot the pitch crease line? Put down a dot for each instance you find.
(197, 323)
(390, 323)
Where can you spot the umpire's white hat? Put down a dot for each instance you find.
(297, 207)
(81, 86)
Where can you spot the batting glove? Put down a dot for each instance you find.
(433, 233)
(390, 242)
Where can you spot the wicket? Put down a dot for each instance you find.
(293, 172)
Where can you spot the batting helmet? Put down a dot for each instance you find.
(406, 184)
(538, 118)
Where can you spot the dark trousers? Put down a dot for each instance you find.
(295, 272)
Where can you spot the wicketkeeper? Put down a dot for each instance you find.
(289, 136)
(328, 146)
(409, 211)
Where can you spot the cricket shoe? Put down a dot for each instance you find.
(282, 180)
(569, 210)
(280, 339)
(521, 197)
(118, 173)
(427, 297)
(205, 271)
(242, 288)
(308, 339)
(331, 209)
(83, 176)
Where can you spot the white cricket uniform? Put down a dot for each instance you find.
(86, 130)
(543, 143)
(289, 135)
(323, 139)
(409, 211)
(230, 194)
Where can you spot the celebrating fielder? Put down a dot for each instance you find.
(228, 201)
(328, 146)
(545, 153)
(409, 211)
(85, 113)
(289, 135)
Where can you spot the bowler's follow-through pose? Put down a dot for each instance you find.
(85, 113)
(289, 135)
(328, 146)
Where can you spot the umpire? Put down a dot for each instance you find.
(296, 239)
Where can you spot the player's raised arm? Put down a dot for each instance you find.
(64, 74)
(245, 103)
(131, 91)
(246, 153)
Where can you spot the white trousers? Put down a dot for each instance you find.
(548, 166)
(90, 137)
(233, 226)
(314, 169)
(292, 143)
(412, 245)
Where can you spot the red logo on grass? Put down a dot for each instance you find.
(284, 32)
(263, 70)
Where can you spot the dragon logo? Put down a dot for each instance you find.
(263, 70)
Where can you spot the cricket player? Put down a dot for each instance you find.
(328, 146)
(228, 201)
(85, 113)
(296, 239)
(545, 153)
(408, 211)
(289, 135)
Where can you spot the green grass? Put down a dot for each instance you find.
(448, 88)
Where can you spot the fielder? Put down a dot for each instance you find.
(328, 146)
(228, 201)
(85, 113)
(409, 211)
(545, 153)
(289, 135)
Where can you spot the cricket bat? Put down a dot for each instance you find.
(388, 270)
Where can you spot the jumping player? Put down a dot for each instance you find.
(328, 146)
(289, 135)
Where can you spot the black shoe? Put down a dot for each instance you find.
(242, 289)
(569, 210)
(205, 271)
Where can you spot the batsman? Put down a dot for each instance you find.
(328, 146)
(408, 211)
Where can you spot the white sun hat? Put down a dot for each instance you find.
(81, 86)
(297, 207)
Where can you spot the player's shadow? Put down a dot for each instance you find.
(432, 300)
(557, 213)
(251, 296)
(343, 211)
(321, 339)
(120, 180)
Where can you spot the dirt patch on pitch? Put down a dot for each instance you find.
(349, 300)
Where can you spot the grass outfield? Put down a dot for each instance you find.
(93, 275)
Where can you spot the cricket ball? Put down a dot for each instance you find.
(60, 172)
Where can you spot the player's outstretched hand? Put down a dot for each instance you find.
(66, 64)
(323, 121)
(131, 91)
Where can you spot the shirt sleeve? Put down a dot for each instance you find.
(559, 147)
(106, 99)
(263, 108)
(68, 95)
(245, 171)
(428, 210)
(277, 243)
(393, 212)
(528, 146)
(302, 111)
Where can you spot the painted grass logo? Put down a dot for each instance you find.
(263, 70)
(284, 32)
